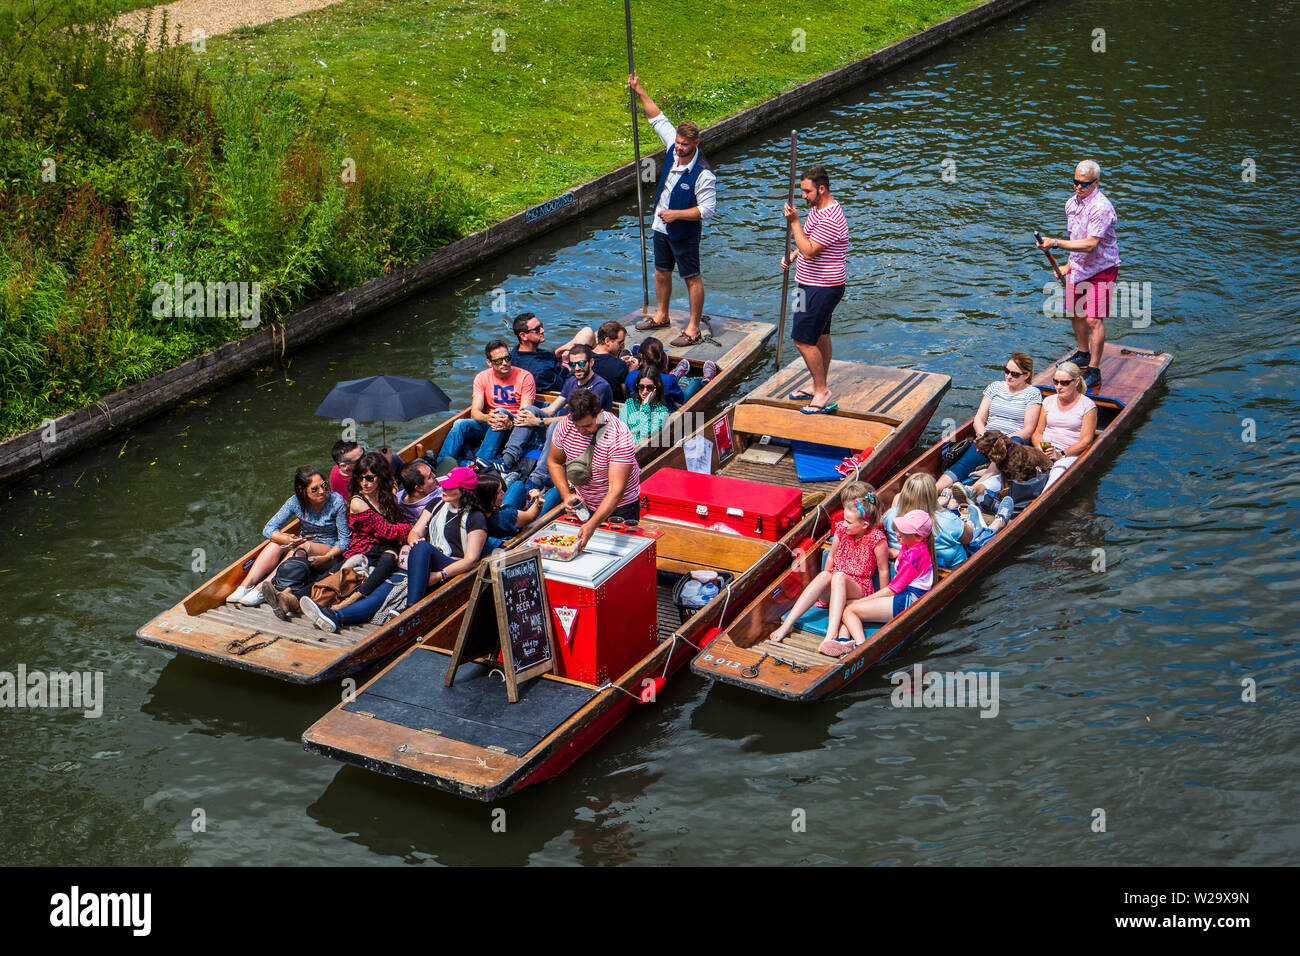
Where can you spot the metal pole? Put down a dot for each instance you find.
(789, 232)
(636, 148)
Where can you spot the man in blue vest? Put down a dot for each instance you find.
(687, 195)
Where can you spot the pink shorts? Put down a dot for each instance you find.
(1091, 298)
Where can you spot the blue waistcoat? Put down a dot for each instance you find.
(683, 196)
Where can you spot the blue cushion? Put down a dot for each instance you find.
(814, 621)
(813, 462)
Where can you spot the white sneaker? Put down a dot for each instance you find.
(252, 597)
(318, 619)
(237, 596)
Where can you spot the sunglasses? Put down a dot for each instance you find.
(580, 363)
(505, 360)
(1084, 183)
(367, 478)
(1013, 373)
(1062, 382)
(535, 328)
(646, 387)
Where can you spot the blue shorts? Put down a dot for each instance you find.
(905, 599)
(682, 253)
(814, 319)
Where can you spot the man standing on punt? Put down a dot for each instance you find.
(820, 248)
(1094, 266)
(687, 196)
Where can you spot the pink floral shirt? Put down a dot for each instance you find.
(1095, 216)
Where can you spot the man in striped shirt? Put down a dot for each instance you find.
(614, 488)
(821, 246)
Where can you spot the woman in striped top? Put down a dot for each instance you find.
(1011, 405)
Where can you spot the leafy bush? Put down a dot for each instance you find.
(123, 167)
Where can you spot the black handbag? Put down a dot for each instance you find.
(950, 452)
(294, 574)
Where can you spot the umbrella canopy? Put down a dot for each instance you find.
(384, 398)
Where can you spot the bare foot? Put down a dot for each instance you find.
(779, 635)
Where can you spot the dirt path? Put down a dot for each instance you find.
(217, 16)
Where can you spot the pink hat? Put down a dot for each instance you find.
(914, 522)
(459, 477)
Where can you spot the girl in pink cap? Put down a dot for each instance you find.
(913, 576)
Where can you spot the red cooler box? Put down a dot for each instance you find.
(750, 507)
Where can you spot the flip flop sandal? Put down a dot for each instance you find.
(645, 325)
(684, 341)
(819, 409)
(800, 396)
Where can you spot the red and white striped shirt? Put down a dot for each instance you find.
(829, 229)
(615, 445)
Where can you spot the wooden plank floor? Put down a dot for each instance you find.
(297, 628)
(669, 617)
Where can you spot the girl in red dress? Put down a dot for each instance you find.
(859, 554)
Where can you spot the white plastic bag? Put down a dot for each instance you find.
(699, 454)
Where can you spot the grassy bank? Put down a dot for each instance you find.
(122, 168)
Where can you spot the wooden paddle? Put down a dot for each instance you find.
(636, 149)
(1052, 259)
(789, 234)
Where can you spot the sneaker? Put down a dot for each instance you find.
(710, 370)
(833, 647)
(1005, 507)
(319, 619)
(1080, 358)
(237, 596)
(509, 478)
(958, 492)
(1092, 378)
(682, 370)
(252, 597)
(976, 517)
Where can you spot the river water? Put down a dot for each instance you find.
(1120, 690)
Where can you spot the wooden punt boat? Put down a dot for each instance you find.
(253, 639)
(794, 669)
(403, 722)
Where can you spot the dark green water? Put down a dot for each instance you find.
(1120, 690)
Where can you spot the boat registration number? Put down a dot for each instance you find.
(723, 661)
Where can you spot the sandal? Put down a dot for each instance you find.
(800, 396)
(645, 325)
(833, 647)
(819, 409)
(684, 341)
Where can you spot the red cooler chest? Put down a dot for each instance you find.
(750, 507)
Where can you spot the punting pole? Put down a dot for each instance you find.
(1052, 259)
(636, 148)
(789, 233)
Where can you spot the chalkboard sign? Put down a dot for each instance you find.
(508, 610)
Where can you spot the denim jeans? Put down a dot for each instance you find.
(469, 439)
(361, 611)
(423, 560)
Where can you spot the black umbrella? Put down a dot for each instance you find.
(384, 398)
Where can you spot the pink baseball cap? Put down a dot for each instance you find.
(459, 477)
(914, 522)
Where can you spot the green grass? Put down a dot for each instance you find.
(421, 81)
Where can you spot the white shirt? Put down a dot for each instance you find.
(706, 197)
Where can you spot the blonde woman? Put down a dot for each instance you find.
(1068, 425)
(951, 531)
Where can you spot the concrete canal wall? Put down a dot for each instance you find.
(32, 451)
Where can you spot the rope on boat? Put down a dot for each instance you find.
(671, 650)
(611, 685)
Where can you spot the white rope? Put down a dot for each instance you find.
(676, 637)
(611, 685)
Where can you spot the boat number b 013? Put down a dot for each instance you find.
(178, 628)
(722, 661)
